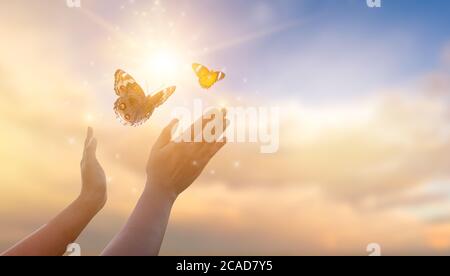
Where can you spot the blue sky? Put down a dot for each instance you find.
(408, 35)
(331, 35)
(333, 50)
(311, 50)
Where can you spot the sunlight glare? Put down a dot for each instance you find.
(164, 63)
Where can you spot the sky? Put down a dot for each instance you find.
(364, 129)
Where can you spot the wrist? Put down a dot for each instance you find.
(92, 201)
(160, 191)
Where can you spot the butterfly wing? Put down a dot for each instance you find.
(206, 77)
(200, 70)
(209, 80)
(131, 103)
(161, 97)
(129, 109)
(151, 103)
(133, 107)
(221, 76)
(124, 84)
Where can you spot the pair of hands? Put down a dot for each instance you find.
(172, 167)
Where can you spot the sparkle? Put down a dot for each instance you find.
(88, 117)
(71, 141)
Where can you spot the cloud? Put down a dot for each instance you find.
(347, 174)
(293, 221)
(387, 145)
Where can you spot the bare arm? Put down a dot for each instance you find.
(53, 238)
(171, 169)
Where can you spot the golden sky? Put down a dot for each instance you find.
(371, 169)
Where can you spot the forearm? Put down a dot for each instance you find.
(53, 238)
(144, 232)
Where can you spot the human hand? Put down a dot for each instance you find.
(174, 166)
(93, 191)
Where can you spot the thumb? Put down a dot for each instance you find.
(166, 135)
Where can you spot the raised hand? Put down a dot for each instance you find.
(53, 238)
(93, 177)
(174, 165)
(172, 168)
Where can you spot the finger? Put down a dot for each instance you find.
(217, 147)
(90, 134)
(213, 129)
(91, 149)
(166, 135)
(217, 131)
(196, 130)
(212, 149)
(224, 112)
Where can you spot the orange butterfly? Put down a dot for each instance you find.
(206, 77)
(133, 107)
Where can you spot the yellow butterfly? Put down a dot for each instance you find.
(206, 77)
(133, 107)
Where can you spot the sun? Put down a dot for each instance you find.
(160, 66)
(164, 62)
